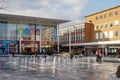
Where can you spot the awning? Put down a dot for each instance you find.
(31, 20)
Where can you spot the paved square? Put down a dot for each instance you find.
(68, 71)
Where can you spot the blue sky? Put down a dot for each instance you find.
(73, 10)
(99, 5)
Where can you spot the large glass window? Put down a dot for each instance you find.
(3, 30)
(12, 31)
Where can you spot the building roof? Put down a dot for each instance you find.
(103, 11)
(73, 26)
(30, 20)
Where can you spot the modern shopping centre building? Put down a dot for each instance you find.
(27, 34)
(101, 30)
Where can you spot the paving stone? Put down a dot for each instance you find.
(95, 71)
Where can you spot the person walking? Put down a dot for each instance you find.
(36, 54)
(13, 54)
(71, 56)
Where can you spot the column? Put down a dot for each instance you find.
(75, 34)
(20, 35)
(40, 41)
(55, 33)
(106, 51)
(69, 40)
(58, 38)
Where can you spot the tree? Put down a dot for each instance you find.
(3, 4)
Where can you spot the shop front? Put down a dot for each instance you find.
(30, 46)
(7, 46)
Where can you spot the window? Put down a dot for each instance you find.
(97, 27)
(116, 12)
(101, 26)
(105, 34)
(96, 17)
(101, 17)
(97, 36)
(111, 34)
(105, 25)
(116, 33)
(80, 37)
(110, 14)
(111, 24)
(101, 35)
(116, 22)
(105, 15)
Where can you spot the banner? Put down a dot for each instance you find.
(37, 31)
(20, 31)
(26, 31)
(32, 31)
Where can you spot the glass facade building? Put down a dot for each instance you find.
(23, 33)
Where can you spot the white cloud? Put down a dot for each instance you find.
(61, 9)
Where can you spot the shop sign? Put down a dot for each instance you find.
(29, 42)
(7, 41)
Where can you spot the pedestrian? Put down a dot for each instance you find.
(13, 54)
(36, 54)
(42, 53)
(71, 56)
(99, 57)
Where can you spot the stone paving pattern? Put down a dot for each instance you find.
(96, 71)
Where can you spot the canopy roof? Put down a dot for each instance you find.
(30, 20)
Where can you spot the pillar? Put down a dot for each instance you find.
(69, 40)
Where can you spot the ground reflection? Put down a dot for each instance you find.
(73, 71)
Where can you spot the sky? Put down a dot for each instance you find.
(73, 10)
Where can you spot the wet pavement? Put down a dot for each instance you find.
(72, 71)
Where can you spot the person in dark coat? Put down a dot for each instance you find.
(13, 54)
(71, 56)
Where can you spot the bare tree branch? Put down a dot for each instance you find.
(3, 4)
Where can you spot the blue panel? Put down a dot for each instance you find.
(26, 31)
(5, 45)
(8, 41)
(1, 51)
